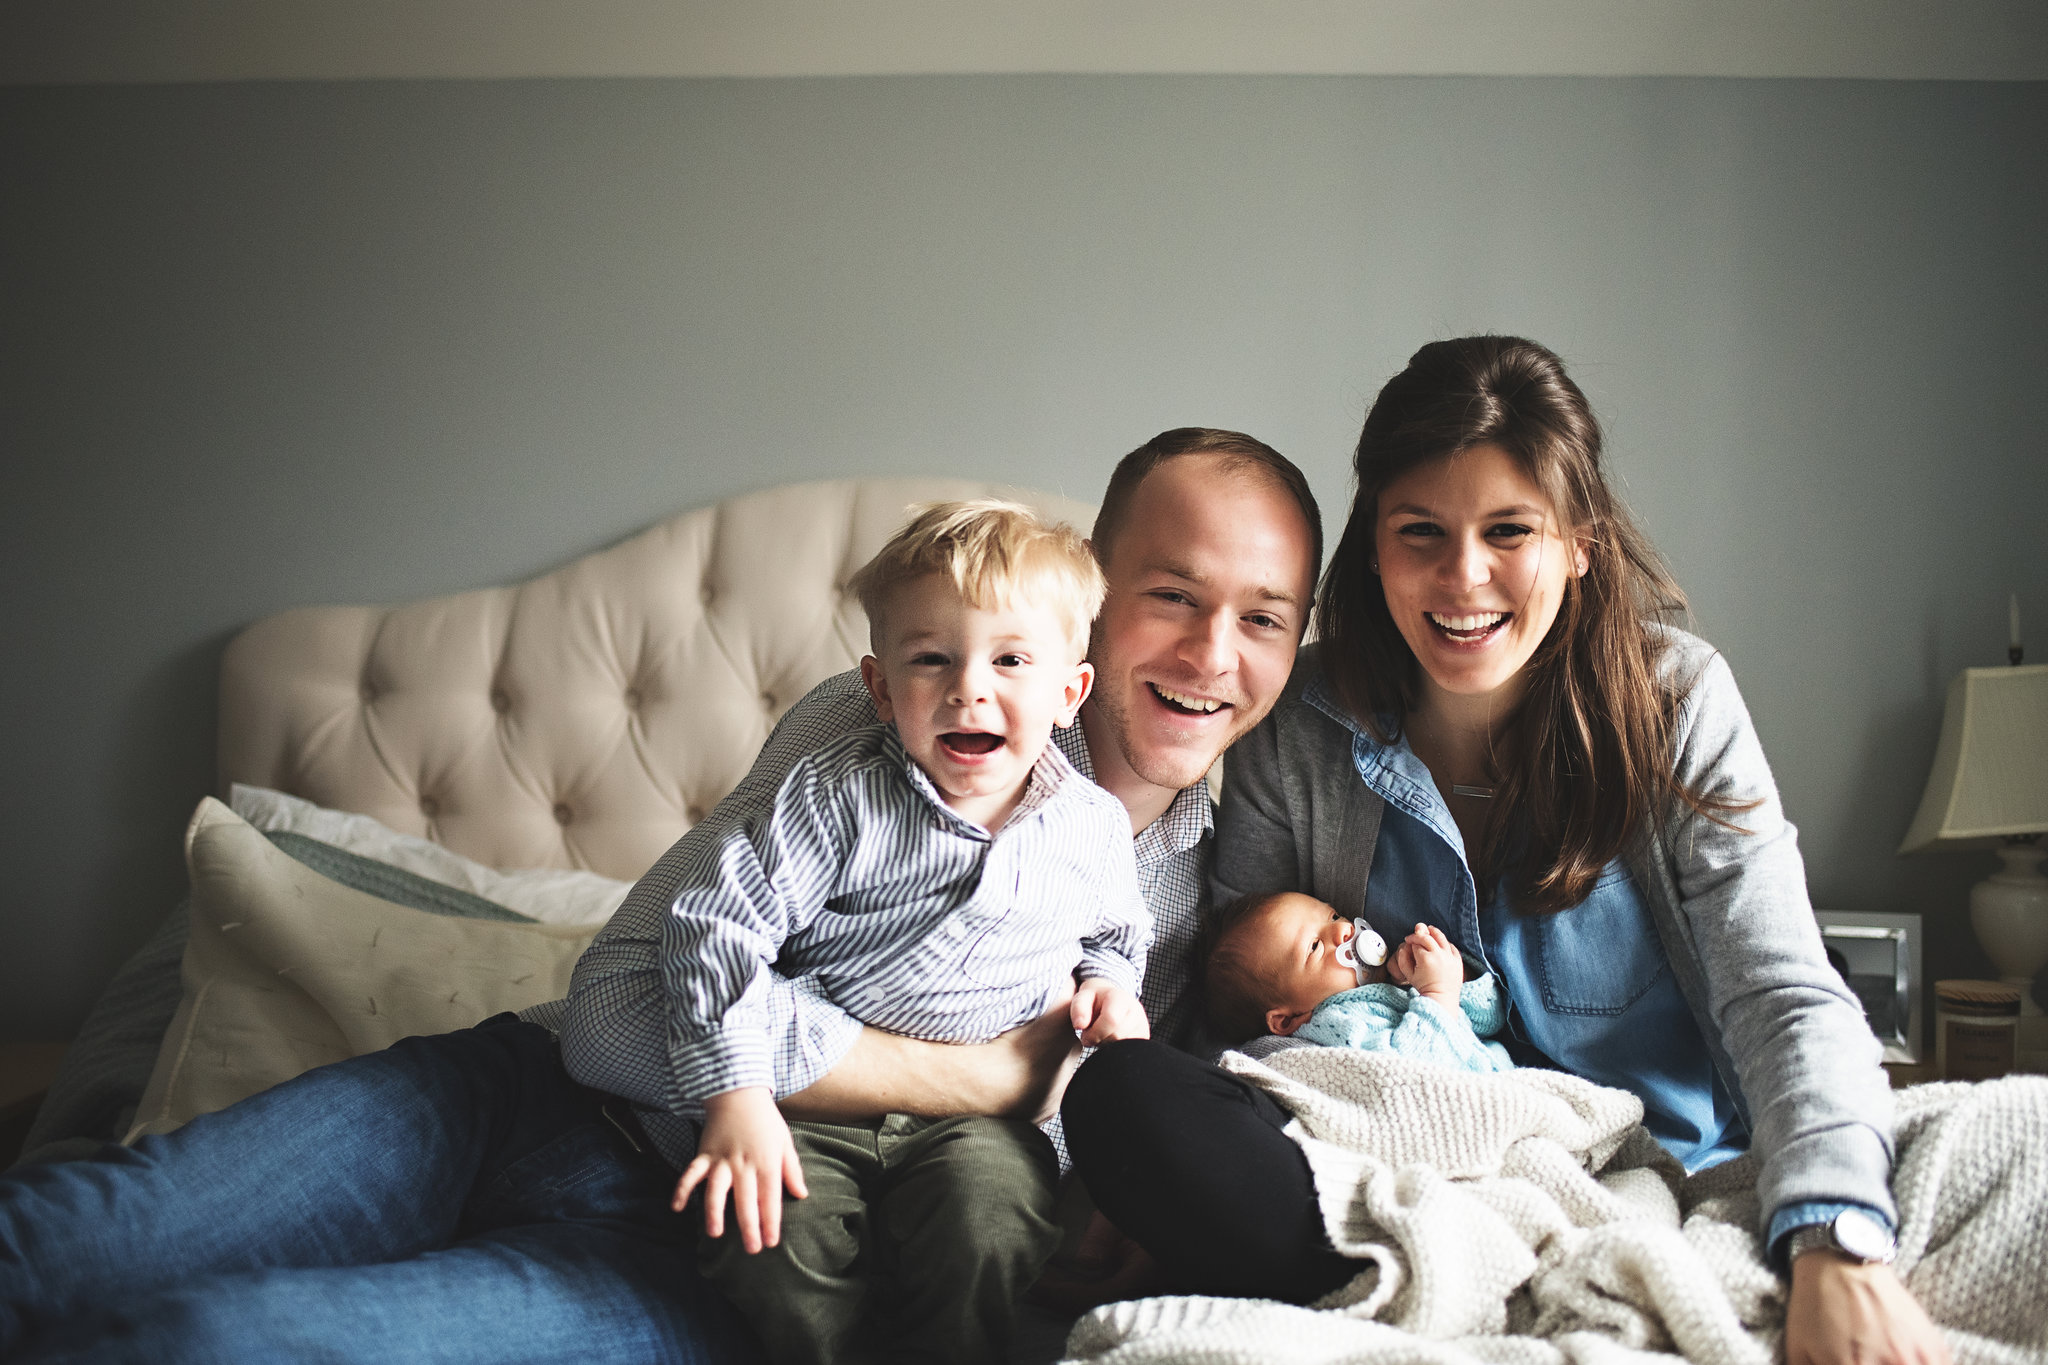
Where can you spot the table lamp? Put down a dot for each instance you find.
(1989, 789)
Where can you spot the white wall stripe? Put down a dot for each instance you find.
(115, 41)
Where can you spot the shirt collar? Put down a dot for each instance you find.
(1047, 778)
(1391, 770)
(1182, 825)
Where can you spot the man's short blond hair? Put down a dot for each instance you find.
(995, 554)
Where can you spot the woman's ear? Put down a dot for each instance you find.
(1582, 555)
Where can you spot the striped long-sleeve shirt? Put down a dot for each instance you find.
(847, 893)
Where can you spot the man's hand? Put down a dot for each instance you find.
(1842, 1313)
(1102, 1011)
(746, 1151)
(1427, 961)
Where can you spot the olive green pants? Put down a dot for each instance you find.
(915, 1244)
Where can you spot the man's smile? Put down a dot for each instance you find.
(1187, 703)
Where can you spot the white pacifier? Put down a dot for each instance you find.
(1364, 949)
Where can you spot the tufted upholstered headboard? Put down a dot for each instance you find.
(585, 718)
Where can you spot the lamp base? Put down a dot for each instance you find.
(2009, 911)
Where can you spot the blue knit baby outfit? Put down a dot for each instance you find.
(1384, 1017)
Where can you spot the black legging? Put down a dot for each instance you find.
(1189, 1162)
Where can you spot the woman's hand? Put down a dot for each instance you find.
(1102, 1012)
(1844, 1313)
(746, 1151)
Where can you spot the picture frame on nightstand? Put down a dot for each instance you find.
(1883, 956)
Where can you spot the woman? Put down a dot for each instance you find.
(1497, 737)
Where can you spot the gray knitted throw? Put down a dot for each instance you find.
(1544, 1226)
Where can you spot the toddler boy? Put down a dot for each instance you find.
(1284, 963)
(946, 874)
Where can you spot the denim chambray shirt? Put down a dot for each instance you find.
(1588, 988)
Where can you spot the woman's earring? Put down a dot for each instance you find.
(1374, 566)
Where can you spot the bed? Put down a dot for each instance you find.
(375, 762)
(431, 807)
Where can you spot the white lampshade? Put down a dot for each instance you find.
(1990, 774)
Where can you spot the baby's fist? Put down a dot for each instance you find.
(1428, 962)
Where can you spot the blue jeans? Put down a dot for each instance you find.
(452, 1199)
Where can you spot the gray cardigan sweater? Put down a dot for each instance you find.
(1730, 908)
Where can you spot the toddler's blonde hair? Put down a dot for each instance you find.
(995, 554)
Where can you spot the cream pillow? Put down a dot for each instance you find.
(287, 970)
(552, 895)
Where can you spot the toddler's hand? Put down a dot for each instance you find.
(1102, 1011)
(1427, 961)
(746, 1151)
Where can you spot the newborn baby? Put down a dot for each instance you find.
(1284, 963)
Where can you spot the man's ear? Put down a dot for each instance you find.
(1078, 688)
(878, 687)
(1284, 1022)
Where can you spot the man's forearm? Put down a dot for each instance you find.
(1019, 1075)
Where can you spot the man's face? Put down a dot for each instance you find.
(1209, 588)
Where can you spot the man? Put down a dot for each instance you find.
(460, 1197)
(1210, 541)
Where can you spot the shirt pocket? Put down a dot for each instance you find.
(1602, 955)
(995, 957)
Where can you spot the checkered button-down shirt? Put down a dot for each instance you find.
(1172, 856)
(834, 888)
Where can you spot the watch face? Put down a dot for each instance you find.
(1862, 1236)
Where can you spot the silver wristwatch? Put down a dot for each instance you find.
(1853, 1233)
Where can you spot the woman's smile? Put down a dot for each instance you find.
(1469, 628)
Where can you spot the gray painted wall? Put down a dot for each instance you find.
(278, 344)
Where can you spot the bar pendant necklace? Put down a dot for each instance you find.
(1483, 793)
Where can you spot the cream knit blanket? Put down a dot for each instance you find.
(1545, 1226)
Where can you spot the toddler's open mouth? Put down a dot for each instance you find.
(970, 743)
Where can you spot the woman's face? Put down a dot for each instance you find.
(1474, 565)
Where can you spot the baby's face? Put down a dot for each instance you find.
(1296, 939)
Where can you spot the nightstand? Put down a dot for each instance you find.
(1909, 1073)
(26, 1070)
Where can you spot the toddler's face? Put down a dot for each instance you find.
(1295, 941)
(974, 691)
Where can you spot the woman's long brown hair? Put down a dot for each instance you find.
(1585, 759)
